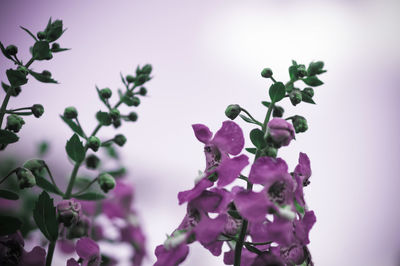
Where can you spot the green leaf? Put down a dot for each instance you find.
(57, 50)
(104, 118)
(247, 119)
(253, 249)
(43, 148)
(7, 194)
(90, 196)
(30, 33)
(16, 77)
(75, 127)
(266, 104)
(3, 50)
(251, 150)
(42, 78)
(277, 92)
(312, 81)
(75, 149)
(257, 138)
(54, 30)
(7, 137)
(293, 72)
(306, 98)
(45, 217)
(46, 185)
(41, 51)
(9, 225)
(299, 208)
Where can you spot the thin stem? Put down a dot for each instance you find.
(52, 179)
(85, 188)
(4, 106)
(50, 252)
(255, 120)
(268, 116)
(273, 79)
(79, 124)
(20, 109)
(5, 178)
(18, 113)
(257, 243)
(29, 62)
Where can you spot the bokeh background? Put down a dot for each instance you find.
(208, 54)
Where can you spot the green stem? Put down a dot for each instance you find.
(79, 124)
(243, 230)
(4, 106)
(85, 188)
(5, 178)
(52, 179)
(50, 252)
(251, 117)
(18, 113)
(29, 62)
(20, 109)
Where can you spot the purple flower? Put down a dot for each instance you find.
(88, 251)
(120, 203)
(215, 200)
(294, 254)
(171, 257)
(303, 226)
(269, 258)
(272, 173)
(12, 252)
(246, 259)
(189, 195)
(303, 169)
(207, 232)
(68, 212)
(280, 131)
(134, 235)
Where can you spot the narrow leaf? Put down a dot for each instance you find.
(277, 92)
(90, 196)
(41, 50)
(46, 185)
(75, 149)
(3, 50)
(312, 81)
(77, 129)
(30, 33)
(306, 98)
(45, 218)
(266, 104)
(253, 249)
(42, 78)
(9, 225)
(251, 150)
(7, 194)
(247, 119)
(7, 137)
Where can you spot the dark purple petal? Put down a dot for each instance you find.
(207, 232)
(253, 206)
(264, 169)
(189, 195)
(229, 138)
(230, 169)
(36, 257)
(246, 259)
(303, 169)
(303, 227)
(299, 195)
(171, 257)
(202, 133)
(293, 255)
(87, 249)
(281, 231)
(72, 262)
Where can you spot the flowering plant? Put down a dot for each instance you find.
(265, 227)
(66, 217)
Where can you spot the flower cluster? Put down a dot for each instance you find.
(269, 226)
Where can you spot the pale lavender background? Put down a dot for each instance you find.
(208, 54)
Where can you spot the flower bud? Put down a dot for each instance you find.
(11, 50)
(34, 165)
(141, 79)
(114, 113)
(105, 93)
(92, 161)
(25, 177)
(70, 112)
(117, 123)
(143, 91)
(14, 122)
(130, 78)
(37, 110)
(146, 69)
(232, 111)
(133, 116)
(68, 212)
(315, 68)
(55, 46)
(46, 73)
(309, 91)
(41, 35)
(301, 71)
(266, 73)
(280, 132)
(129, 93)
(295, 96)
(14, 91)
(277, 111)
(106, 182)
(120, 140)
(299, 123)
(94, 143)
(135, 101)
(80, 229)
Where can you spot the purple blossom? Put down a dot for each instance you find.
(207, 232)
(303, 169)
(246, 259)
(171, 257)
(88, 251)
(280, 131)
(12, 252)
(68, 212)
(193, 193)
(134, 235)
(119, 204)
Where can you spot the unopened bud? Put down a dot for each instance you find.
(14, 122)
(25, 177)
(41, 35)
(135, 101)
(105, 93)
(143, 91)
(120, 140)
(277, 111)
(315, 68)
(133, 116)
(117, 123)
(55, 46)
(299, 124)
(94, 143)
(114, 113)
(232, 111)
(68, 212)
(11, 50)
(146, 69)
(37, 110)
(266, 73)
(130, 78)
(80, 229)
(70, 112)
(92, 161)
(309, 91)
(141, 79)
(106, 182)
(295, 96)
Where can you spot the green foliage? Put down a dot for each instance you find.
(41, 51)
(251, 150)
(75, 127)
(277, 92)
(257, 138)
(45, 218)
(46, 185)
(75, 149)
(42, 77)
(7, 194)
(312, 81)
(16, 77)
(7, 137)
(92, 196)
(103, 118)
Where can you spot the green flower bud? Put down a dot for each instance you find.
(41, 35)
(120, 140)
(105, 93)
(55, 46)
(309, 91)
(135, 101)
(114, 113)
(46, 73)
(130, 78)
(141, 79)
(133, 116)
(295, 96)
(117, 123)
(94, 143)
(277, 111)
(129, 94)
(146, 69)
(232, 111)
(37, 110)
(266, 73)
(25, 177)
(70, 112)
(34, 165)
(301, 71)
(11, 50)
(143, 91)
(92, 161)
(299, 124)
(315, 68)
(15, 91)
(106, 182)
(14, 122)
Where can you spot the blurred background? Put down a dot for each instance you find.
(208, 54)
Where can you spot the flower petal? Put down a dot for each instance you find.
(171, 257)
(229, 138)
(86, 248)
(264, 169)
(202, 133)
(253, 206)
(36, 257)
(189, 195)
(72, 262)
(230, 169)
(207, 232)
